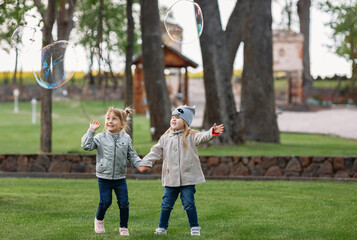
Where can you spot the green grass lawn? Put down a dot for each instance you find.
(282, 84)
(70, 122)
(65, 209)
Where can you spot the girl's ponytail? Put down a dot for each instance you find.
(127, 111)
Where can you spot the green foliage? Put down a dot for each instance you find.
(344, 25)
(114, 27)
(282, 84)
(65, 209)
(12, 16)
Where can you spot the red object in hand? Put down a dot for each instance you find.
(214, 133)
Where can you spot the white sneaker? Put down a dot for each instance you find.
(160, 231)
(195, 231)
(99, 226)
(124, 231)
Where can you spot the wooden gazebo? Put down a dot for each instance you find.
(172, 59)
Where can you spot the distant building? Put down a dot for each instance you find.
(288, 58)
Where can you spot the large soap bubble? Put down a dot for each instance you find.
(57, 66)
(184, 21)
(24, 38)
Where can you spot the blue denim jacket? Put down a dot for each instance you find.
(112, 155)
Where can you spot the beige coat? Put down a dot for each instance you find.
(181, 166)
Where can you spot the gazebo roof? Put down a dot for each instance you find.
(172, 58)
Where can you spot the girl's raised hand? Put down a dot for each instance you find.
(94, 125)
(217, 130)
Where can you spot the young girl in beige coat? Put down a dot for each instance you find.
(181, 167)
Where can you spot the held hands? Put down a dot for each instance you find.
(217, 130)
(143, 168)
(94, 125)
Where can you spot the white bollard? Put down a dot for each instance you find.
(152, 130)
(33, 103)
(16, 100)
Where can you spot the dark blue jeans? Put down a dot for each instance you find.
(121, 191)
(188, 202)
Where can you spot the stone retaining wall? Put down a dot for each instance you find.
(213, 166)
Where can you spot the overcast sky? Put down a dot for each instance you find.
(323, 61)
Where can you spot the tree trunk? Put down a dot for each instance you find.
(220, 105)
(129, 59)
(99, 41)
(288, 10)
(303, 8)
(353, 89)
(234, 31)
(153, 62)
(15, 70)
(257, 101)
(65, 22)
(46, 120)
(91, 77)
(46, 94)
(65, 25)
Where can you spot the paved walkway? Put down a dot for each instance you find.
(338, 122)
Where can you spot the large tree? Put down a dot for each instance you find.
(219, 49)
(153, 62)
(129, 58)
(257, 100)
(303, 9)
(63, 11)
(251, 23)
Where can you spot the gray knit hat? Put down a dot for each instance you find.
(186, 113)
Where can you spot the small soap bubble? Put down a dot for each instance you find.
(57, 65)
(23, 38)
(184, 21)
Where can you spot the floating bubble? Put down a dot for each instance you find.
(23, 38)
(184, 21)
(57, 65)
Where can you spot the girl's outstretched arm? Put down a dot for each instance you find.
(205, 136)
(155, 154)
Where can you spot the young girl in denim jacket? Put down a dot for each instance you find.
(181, 167)
(114, 148)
